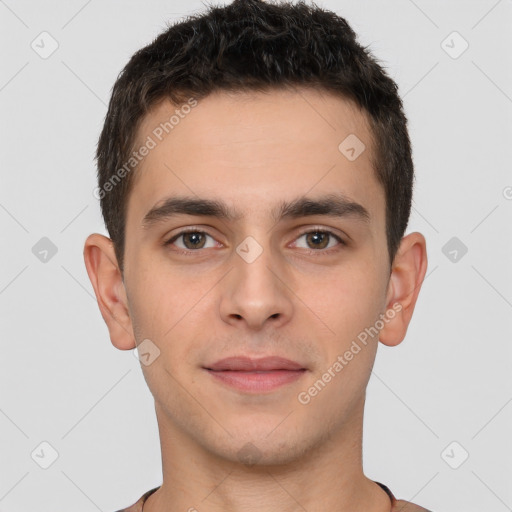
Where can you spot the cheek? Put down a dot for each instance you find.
(349, 306)
(160, 294)
(348, 300)
(171, 308)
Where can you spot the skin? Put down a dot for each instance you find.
(254, 150)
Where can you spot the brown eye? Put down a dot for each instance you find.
(317, 239)
(320, 240)
(192, 240)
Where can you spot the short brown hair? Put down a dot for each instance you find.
(255, 45)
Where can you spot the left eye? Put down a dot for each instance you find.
(320, 239)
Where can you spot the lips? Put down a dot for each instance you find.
(255, 376)
(247, 364)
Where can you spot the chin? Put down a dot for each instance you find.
(258, 448)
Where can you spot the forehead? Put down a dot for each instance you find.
(256, 149)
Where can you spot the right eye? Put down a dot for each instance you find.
(193, 239)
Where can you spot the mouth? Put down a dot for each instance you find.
(256, 375)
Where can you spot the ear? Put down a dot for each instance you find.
(107, 281)
(407, 274)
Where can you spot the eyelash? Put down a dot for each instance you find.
(316, 252)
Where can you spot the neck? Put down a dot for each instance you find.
(328, 476)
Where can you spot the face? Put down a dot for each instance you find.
(274, 276)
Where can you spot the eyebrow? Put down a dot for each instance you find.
(331, 205)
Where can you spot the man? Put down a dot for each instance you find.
(255, 177)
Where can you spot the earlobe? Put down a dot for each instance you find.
(408, 271)
(106, 279)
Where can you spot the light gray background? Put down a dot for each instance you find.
(61, 380)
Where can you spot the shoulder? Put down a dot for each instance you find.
(401, 505)
(406, 506)
(137, 506)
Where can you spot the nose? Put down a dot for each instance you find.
(257, 292)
